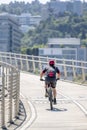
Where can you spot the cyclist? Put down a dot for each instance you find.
(52, 73)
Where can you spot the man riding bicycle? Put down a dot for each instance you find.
(52, 73)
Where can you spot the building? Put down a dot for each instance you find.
(61, 53)
(10, 34)
(73, 6)
(24, 19)
(57, 6)
(63, 42)
(64, 48)
(82, 54)
(35, 20)
(26, 28)
(77, 7)
(27, 21)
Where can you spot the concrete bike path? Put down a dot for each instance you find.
(69, 113)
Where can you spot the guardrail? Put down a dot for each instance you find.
(70, 69)
(9, 94)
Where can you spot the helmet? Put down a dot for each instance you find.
(51, 62)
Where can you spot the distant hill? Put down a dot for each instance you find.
(65, 25)
(22, 7)
(62, 25)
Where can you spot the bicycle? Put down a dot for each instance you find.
(50, 93)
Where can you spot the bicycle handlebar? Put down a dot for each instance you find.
(44, 79)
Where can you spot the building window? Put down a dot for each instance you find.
(41, 52)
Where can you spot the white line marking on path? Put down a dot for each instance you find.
(74, 101)
(33, 115)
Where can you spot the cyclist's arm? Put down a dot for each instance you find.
(42, 73)
(58, 74)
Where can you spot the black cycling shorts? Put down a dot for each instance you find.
(50, 80)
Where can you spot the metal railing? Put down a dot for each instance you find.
(70, 69)
(9, 94)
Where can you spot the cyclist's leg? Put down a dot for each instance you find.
(54, 92)
(47, 81)
(46, 85)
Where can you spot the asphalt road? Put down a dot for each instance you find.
(70, 113)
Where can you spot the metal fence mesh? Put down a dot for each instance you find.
(9, 93)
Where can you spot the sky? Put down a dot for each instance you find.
(42, 1)
(8, 1)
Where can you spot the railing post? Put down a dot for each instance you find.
(3, 100)
(10, 94)
(47, 60)
(27, 63)
(74, 73)
(65, 71)
(6, 59)
(21, 62)
(33, 63)
(15, 60)
(40, 65)
(83, 72)
(1, 58)
(10, 59)
(17, 94)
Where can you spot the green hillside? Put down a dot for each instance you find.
(65, 25)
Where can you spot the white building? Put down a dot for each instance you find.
(63, 42)
(67, 48)
(35, 20)
(24, 19)
(66, 53)
(27, 21)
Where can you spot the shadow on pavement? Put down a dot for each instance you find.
(57, 109)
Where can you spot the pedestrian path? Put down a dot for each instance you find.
(68, 114)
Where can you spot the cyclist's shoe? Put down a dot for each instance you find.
(55, 102)
(52, 99)
(46, 94)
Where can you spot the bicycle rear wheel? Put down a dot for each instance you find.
(50, 99)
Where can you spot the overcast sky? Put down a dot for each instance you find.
(8, 1)
(42, 1)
